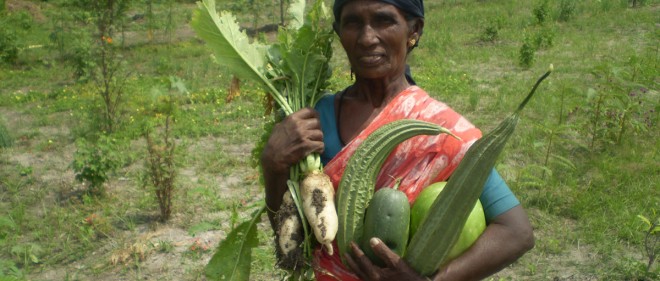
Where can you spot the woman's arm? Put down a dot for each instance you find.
(298, 135)
(506, 238)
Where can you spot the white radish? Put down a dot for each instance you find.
(289, 236)
(318, 197)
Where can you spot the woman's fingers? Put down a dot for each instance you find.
(362, 266)
(295, 137)
(381, 250)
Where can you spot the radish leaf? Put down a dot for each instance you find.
(233, 258)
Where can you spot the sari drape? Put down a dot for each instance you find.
(418, 161)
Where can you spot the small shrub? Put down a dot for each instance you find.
(541, 11)
(490, 30)
(160, 166)
(566, 10)
(94, 162)
(8, 46)
(637, 3)
(544, 38)
(5, 138)
(527, 52)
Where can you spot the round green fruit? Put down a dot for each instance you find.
(474, 226)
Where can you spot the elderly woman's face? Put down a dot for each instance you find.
(375, 36)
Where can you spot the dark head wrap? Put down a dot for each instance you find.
(413, 8)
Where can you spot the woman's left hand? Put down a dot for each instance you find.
(395, 269)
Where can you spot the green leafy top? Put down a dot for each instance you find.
(294, 70)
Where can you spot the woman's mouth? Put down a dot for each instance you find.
(371, 59)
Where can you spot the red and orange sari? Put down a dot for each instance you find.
(418, 161)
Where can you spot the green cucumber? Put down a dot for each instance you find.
(388, 218)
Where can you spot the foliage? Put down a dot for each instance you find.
(637, 3)
(617, 107)
(566, 10)
(108, 66)
(233, 257)
(93, 162)
(491, 30)
(544, 38)
(9, 271)
(651, 239)
(8, 46)
(5, 138)
(527, 52)
(15, 26)
(542, 11)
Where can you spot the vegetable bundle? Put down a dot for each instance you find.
(294, 71)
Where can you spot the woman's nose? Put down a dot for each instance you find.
(368, 36)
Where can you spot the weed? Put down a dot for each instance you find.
(490, 30)
(566, 10)
(527, 52)
(541, 11)
(5, 139)
(10, 272)
(617, 108)
(94, 162)
(15, 26)
(165, 246)
(651, 239)
(27, 254)
(637, 3)
(544, 38)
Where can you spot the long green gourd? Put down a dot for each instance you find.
(441, 228)
(357, 184)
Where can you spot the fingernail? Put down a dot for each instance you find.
(374, 241)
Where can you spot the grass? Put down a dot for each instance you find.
(582, 187)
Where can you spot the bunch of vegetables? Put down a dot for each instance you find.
(294, 72)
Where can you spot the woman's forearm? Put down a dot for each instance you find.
(275, 186)
(505, 240)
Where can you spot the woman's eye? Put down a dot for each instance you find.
(385, 21)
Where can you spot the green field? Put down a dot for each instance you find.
(584, 161)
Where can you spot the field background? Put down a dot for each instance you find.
(584, 161)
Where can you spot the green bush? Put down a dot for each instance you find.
(490, 30)
(544, 38)
(541, 12)
(527, 52)
(5, 138)
(8, 46)
(94, 162)
(566, 10)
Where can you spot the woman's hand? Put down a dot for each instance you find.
(395, 268)
(295, 137)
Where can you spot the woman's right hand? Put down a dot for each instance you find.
(295, 137)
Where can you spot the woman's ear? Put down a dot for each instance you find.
(417, 28)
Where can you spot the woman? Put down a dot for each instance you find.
(377, 36)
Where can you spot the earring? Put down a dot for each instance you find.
(412, 42)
